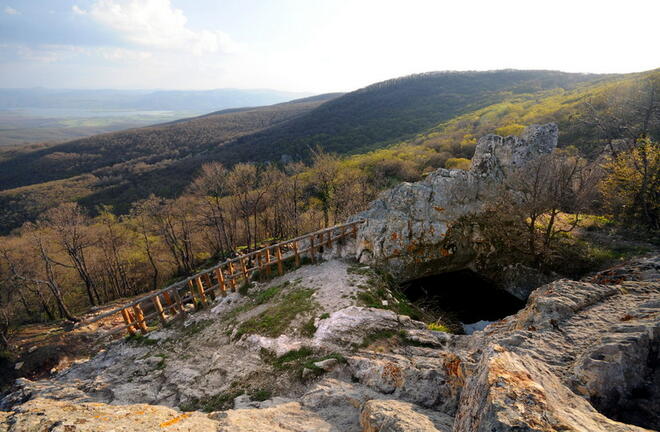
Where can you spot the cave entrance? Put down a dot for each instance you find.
(462, 300)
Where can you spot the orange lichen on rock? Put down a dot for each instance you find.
(175, 420)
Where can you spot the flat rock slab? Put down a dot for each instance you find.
(397, 416)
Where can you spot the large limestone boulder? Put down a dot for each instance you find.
(407, 229)
(43, 414)
(287, 417)
(514, 392)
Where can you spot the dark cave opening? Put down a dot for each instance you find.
(461, 297)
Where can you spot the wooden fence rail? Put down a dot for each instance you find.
(170, 302)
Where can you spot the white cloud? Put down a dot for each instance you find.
(78, 11)
(156, 24)
(11, 11)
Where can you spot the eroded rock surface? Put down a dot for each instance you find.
(407, 228)
(581, 356)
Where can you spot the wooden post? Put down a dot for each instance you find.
(159, 308)
(127, 319)
(244, 270)
(200, 288)
(179, 302)
(170, 303)
(354, 230)
(343, 232)
(191, 287)
(232, 280)
(330, 239)
(221, 281)
(295, 252)
(267, 261)
(209, 284)
(278, 255)
(139, 317)
(312, 254)
(259, 263)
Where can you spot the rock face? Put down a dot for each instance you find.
(406, 229)
(510, 392)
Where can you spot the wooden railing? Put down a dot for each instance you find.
(171, 302)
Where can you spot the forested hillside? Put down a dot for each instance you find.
(404, 126)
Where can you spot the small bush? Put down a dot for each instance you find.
(438, 327)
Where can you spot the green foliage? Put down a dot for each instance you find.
(438, 327)
(458, 163)
(511, 129)
(260, 395)
(632, 186)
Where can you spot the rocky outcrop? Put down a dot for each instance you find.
(581, 356)
(408, 229)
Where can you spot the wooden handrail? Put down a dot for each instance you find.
(217, 270)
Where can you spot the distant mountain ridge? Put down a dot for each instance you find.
(177, 100)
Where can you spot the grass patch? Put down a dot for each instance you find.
(269, 293)
(140, 339)
(324, 315)
(275, 320)
(284, 361)
(296, 361)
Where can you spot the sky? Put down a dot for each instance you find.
(312, 45)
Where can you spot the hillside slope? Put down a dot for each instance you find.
(121, 167)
